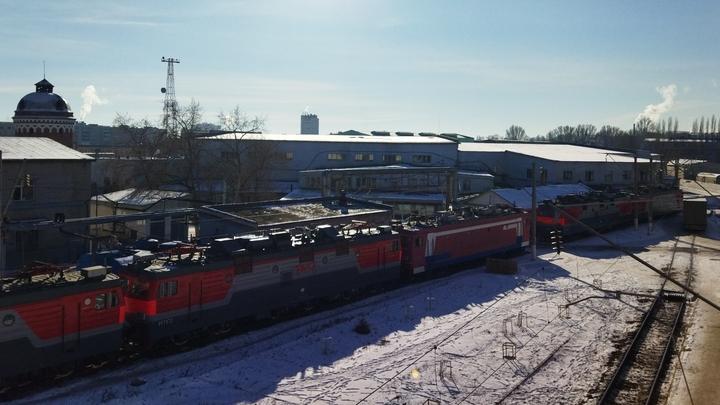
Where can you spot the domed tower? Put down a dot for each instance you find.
(44, 114)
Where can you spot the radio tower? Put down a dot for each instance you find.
(170, 106)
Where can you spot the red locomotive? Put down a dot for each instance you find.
(72, 317)
(53, 319)
(605, 210)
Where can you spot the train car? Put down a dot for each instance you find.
(603, 211)
(173, 296)
(695, 214)
(454, 239)
(53, 319)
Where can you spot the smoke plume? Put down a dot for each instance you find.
(90, 98)
(654, 111)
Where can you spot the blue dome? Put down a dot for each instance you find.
(43, 102)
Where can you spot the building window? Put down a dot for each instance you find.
(168, 288)
(422, 159)
(589, 175)
(543, 176)
(567, 175)
(529, 173)
(392, 158)
(288, 156)
(335, 156)
(626, 175)
(363, 156)
(24, 190)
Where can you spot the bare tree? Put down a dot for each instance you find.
(143, 165)
(563, 133)
(701, 128)
(695, 127)
(644, 126)
(247, 161)
(515, 133)
(585, 134)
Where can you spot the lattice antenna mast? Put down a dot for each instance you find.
(170, 106)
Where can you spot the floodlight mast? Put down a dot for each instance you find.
(170, 106)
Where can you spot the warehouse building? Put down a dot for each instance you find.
(408, 189)
(511, 163)
(292, 154)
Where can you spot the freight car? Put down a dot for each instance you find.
(603, 210)
(54, 321)
(695, 214)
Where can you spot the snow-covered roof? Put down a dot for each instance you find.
(432, 198)
(522, 197)
(552, 151)
(30, 148)
(333, 138)
(399, 167)
(139, 198)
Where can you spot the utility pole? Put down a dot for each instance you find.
(170, 106)
(2, 223)
(649, 206)
(533, 229)
(635, 181)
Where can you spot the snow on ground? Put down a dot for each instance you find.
(442, 340)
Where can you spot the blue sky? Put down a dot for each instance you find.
(473, 67)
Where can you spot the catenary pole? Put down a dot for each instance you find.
(638, 259)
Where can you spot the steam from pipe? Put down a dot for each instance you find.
(90, 98)
(654, 111)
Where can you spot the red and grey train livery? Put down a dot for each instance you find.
(74, 317)
(254, 276)
(450, 240)
(604, 210)
(51, 320)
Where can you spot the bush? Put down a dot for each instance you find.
(362, 327)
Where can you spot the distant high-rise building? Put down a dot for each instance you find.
(309, 124)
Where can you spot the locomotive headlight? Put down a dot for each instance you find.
(8, 320)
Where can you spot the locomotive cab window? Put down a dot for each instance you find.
(101, 301)
(168, 289)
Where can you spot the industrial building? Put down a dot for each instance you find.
(511, 163)
(233, 219)
(408, 189)
(42, 181)
(133, 201)
(292, 154)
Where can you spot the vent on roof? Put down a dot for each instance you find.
(405, 133)
(428, 134)
(380, 133)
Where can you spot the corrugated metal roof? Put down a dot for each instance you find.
(333, 138)
(139, 198)
(19, 148)
(552, 151)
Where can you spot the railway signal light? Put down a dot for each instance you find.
(556, 240)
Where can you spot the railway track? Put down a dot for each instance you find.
(639, 375)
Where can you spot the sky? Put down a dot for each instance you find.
(470, 67)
